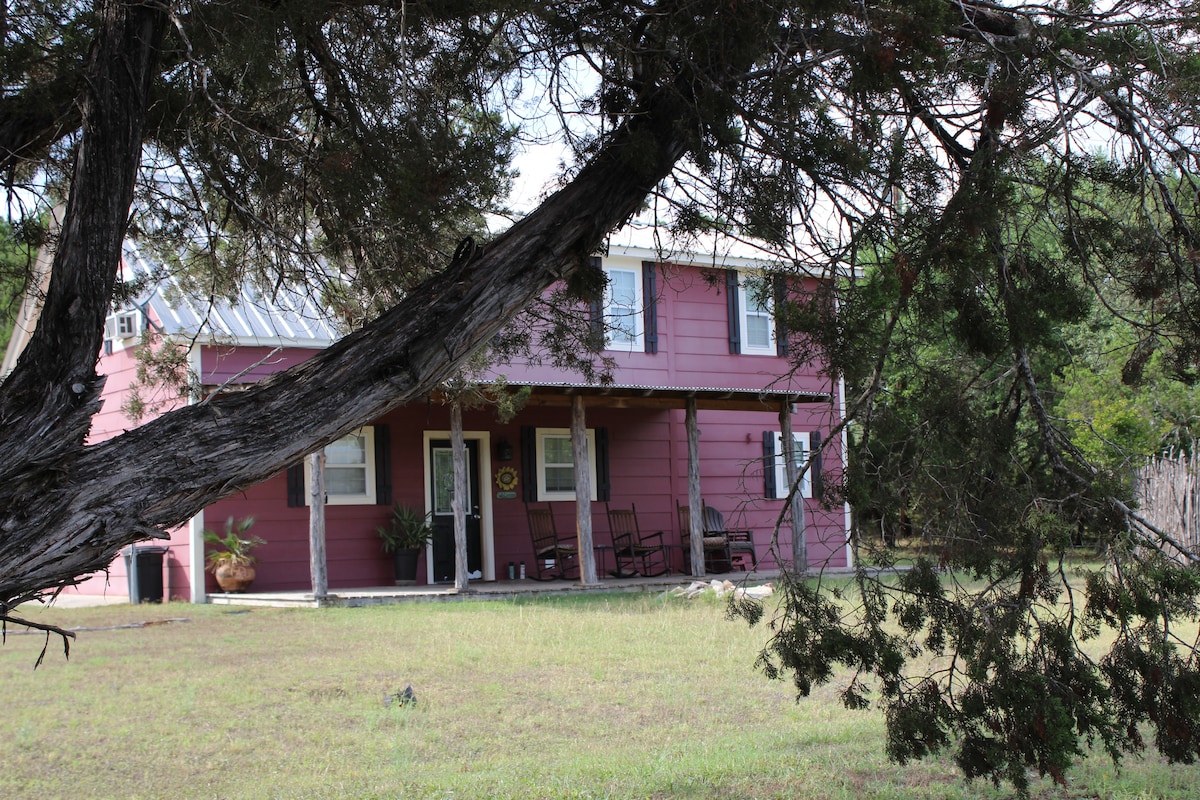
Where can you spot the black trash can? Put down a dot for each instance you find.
(146, 575)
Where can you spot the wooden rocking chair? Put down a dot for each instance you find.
(553, 557)
(635, 554)
(717, 556)
(740, 543)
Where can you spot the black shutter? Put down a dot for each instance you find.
(769, 488)
(814, 471)
(596, 310)
(779, 289)
(650, 305)
(735, 314)
(383, 465)
(604, 478)
(295, 485)
(528, 464)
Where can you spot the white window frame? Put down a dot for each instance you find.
(746, 292)
(542, 434)
(782, 485)
(636, 317)
(366, 498)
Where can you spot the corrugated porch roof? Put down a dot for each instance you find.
(646, 396)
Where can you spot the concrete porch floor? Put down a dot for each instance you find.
(478, 590)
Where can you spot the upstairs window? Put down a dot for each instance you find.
(627, 315)
(757, 316)
(753, 328)
(623, 328)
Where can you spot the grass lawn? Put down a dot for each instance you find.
(600, 696)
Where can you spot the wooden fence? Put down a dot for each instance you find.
(1168, 490)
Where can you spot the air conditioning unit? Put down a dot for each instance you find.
(123, 325)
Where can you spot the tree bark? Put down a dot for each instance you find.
(66, 509)
(48, 401)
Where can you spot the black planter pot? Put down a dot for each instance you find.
(405, 562)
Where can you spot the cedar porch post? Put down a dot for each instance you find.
(695, 503)
(316, 527)
(795, 496)
(583, 493)
(459, 499)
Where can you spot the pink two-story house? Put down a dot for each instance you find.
(681, 331)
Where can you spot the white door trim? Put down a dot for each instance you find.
(486, 532)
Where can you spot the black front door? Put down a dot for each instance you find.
(441, 466)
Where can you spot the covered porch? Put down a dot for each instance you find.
(579, 398)
(655, 460)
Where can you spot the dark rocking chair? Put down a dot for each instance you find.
(635, 554)
(717, 557)
(553, 557)
(739, 542)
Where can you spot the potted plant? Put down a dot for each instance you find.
(232, 565)
(404, 538)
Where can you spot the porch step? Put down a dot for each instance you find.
(479, 590)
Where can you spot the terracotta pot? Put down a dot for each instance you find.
(234, 577)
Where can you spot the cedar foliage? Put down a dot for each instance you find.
(956, 336)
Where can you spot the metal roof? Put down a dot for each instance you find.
(287, 316)
(293, 317)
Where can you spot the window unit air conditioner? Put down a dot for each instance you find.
(124, 325)
(129, 325)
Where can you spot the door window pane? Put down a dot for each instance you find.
(443, 480)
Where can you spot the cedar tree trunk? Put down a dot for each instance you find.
(67, 509)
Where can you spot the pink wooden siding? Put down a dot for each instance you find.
(693, 345)
(120, 370)
(246, 364)
(115, 582)
(647, 454)
(353, 552)
(648, 457)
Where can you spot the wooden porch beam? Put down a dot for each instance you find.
(657, 402)
(317, 564)
(583, 493)
(795, 496)
(657, 397)
(695, 501)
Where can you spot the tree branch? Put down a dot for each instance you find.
(89, 503)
